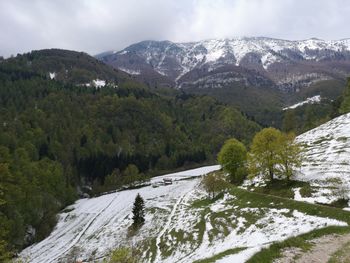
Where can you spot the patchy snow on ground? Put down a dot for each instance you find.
(52, 75)
(327, 160)
(178, 227)
(92, 227)
(311, 100)
(257, 181)
(199, 233)
(98, 83)
(322, 195)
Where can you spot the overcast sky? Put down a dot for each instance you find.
(95, 26)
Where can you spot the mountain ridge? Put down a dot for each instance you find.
(281, 61)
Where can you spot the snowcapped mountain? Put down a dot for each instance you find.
(257, 61)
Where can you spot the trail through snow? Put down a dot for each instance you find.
(92, 227)
(166, 227)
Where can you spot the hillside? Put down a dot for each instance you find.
(230, 228)
(77, 68)
(59, 140)
(327, 165)
(182, 225)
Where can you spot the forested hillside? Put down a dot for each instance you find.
(66, 66)
(56, 137)
(308, 116)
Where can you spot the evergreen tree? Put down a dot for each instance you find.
(138, 211)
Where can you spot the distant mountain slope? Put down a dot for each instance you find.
(257, 61)
(66, 66)
(260, 76)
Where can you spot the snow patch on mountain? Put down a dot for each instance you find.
(130, 71)
(311, 100)
(231, 51)
(98, 83)
(52, 75)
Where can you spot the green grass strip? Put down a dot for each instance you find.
(221, 255)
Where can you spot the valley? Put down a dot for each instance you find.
(212, 147)
(230, 228)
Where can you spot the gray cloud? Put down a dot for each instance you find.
(99, 25)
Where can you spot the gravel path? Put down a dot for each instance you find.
(322, 250)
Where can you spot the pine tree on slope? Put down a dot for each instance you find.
(138, 211)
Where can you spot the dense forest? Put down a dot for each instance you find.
(58, 138)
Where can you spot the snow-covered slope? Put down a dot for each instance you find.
(91, 227)
(303, 61)
(176, 229)
(327, 160)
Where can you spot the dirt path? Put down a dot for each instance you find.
(322, 250)
(166, 227)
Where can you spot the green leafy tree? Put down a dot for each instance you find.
(214, 184)
(274, 153)
(345, 105)
(138, 211)
(113, 181)
(263, 156)
(131, 170)
(232, 157)
(289, 156)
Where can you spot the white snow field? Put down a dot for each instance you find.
(179, 226)
(91, 227)
(327, 161)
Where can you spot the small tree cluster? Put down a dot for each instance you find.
(213, 184)
(274, 153)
